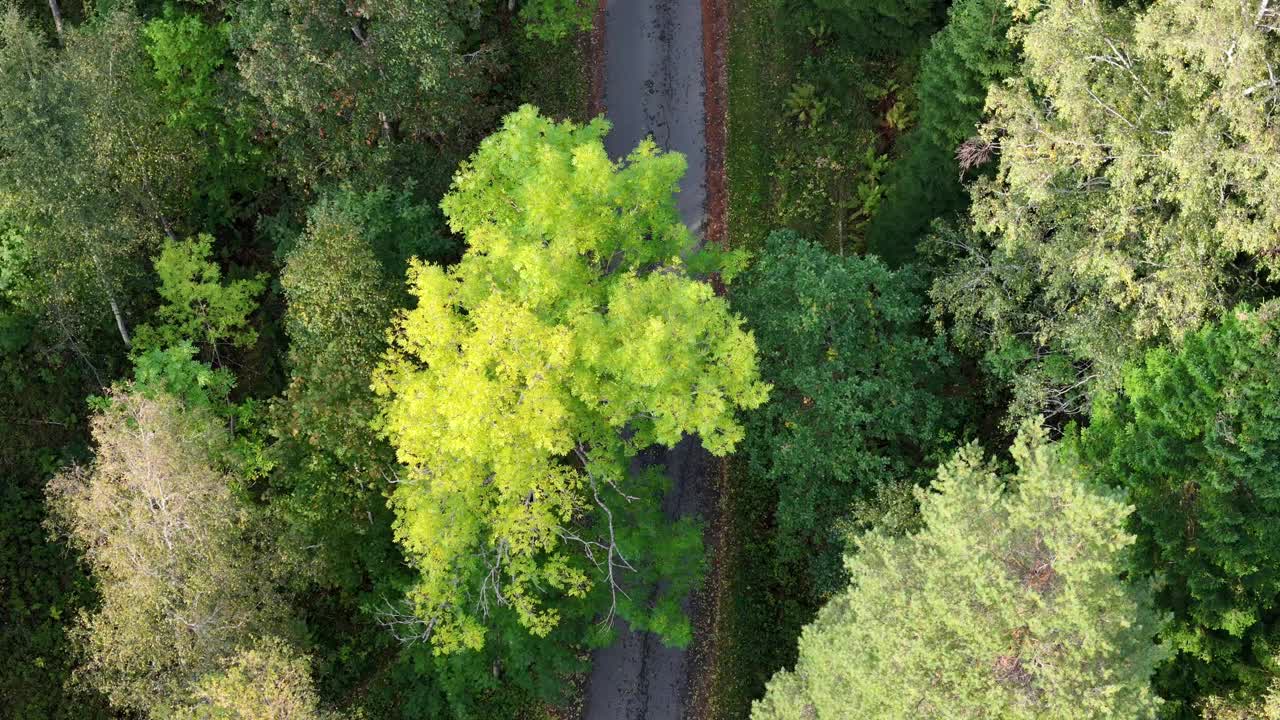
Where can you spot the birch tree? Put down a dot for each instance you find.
(89, 160)
(177, 556)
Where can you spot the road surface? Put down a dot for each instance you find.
(653, 85)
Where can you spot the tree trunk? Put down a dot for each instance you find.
(111, 298)
(57, 16)
(124, 331)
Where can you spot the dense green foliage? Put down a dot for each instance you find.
(166, 202)
(340, 299)
(857, 407)
(881, 26)
(554, 19)
(1009, 604)
(195, 70)
(1193, 439)
(89, 165)
(966, 57)
(358, 92)
(1132, 198)
(332, 372)
(196, 306)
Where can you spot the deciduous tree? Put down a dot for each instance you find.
(351, 90)
(197, 306)
(571, 335)
(267, 680)
(857, 404)
(1136, 190)
(177, 556)
(198, 87)
(90, 163)
(333, 469)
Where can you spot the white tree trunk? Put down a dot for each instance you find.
(111, 298)
(57, 16)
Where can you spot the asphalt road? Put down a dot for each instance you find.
(654, 86)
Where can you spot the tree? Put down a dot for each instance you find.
(1008, 604)
(198, 86)
(857, 404)
(267, 680)
(332, 467)
(971, 53)
(88, 162)
(1266, 707)
(197, 306)
(882, 26)
(1135, 192)
(1193, 439)
(342, 281)
(177, 556)
(553, 20)
(352, 90)
(570, 336)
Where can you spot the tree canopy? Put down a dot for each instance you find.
(336, 378)
(355, 91)
(89, 163)
(858, 407)
(569, 336)
(1133, 196)
(176, 554)
(1007, 604)
(1192, 439)
(266, 681)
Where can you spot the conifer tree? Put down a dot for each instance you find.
(1008, 604)
(1193, 438)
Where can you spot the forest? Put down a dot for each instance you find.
(348, 369)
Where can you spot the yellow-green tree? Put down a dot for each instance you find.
(1008, 604)
(267, 680)
(572, 334)
(185, 568)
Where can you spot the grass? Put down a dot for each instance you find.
(761, 62)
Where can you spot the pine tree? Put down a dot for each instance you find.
(1008, 604)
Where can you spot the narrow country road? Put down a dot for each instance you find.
(653, 85)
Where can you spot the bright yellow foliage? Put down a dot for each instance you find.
(571, 322)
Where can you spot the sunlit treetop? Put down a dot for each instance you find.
(571, 322)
